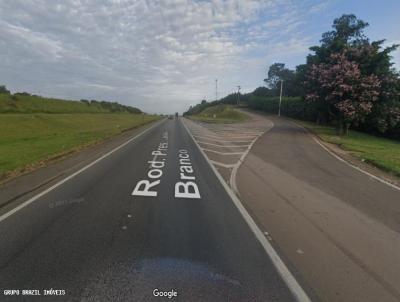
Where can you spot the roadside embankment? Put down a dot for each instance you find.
(28, 141)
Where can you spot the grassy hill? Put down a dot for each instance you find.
(36, 130)
(26, 103)
(220, 114)
(28, 141)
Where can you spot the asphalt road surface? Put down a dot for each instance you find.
(337, 226)
(125, 227)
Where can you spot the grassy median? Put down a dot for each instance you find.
(29, 140)
(220, 114)
(381, 152)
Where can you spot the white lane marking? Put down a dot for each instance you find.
(222, 164)
(223, 146)
(220, 140)
(232, 180)
(345, 161)
(298, 292)
(155, 170)
(235, 167)
(223, 153)
(236, 135)
(29, 201)
(222, 135)
(240, 133)
(185, 188)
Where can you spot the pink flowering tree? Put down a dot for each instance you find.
(340, 86)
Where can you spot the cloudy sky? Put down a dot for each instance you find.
(162, 56)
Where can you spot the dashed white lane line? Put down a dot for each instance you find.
(222, 153)
(223, 146)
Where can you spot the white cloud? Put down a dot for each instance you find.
(157, 55)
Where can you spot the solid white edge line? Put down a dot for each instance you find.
(317, 140)
(232, 180)
(32, 199)
(297, 291)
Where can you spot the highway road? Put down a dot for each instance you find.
(150, 217)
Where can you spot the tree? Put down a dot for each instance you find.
(373, 62)
(372, 59)
(4, 90)
(277, 73)
(262, 91)
(349, 95)
(347, 31)
(385, 114)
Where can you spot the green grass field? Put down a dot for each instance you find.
(25, 103)
(381, 152)
(26, 140)
(220, 114)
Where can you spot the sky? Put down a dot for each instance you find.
(163, 56)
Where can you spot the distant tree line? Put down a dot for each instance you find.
(347, 81)
(112, 106)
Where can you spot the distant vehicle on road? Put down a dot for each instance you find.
(170, 117)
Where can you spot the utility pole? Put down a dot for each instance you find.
(238, 95)
(280, 99)
(216, 89)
